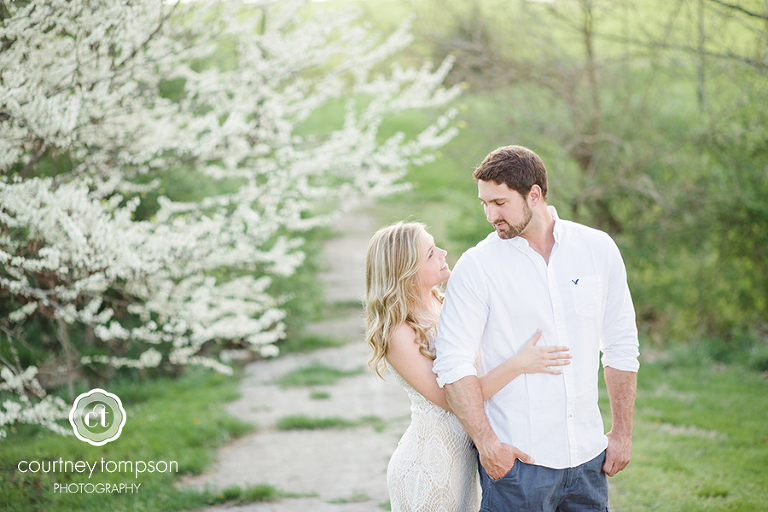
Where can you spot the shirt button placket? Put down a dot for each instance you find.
(562, 335)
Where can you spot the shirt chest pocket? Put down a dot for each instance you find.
(587, 299)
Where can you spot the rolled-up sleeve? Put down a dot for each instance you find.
(462, 322)
(619, 342)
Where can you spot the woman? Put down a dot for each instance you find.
(433, 468)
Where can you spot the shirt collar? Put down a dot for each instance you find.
(558, 229)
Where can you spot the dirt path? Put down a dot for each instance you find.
(341, 469)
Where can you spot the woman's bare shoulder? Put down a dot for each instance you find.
(403, 335)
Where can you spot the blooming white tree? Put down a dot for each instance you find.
(88, 129)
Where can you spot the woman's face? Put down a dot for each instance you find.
(433, 269)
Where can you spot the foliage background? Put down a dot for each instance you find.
(650, 118)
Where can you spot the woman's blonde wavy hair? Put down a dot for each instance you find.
(393, 290)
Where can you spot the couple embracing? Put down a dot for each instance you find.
(503, 370)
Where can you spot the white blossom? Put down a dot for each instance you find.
(21, 409)
(82, 81)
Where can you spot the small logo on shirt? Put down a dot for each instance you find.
(575, 282)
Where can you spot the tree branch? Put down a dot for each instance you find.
(741, 9)
(161, 23)
(757, 64)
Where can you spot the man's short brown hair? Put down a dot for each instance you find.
(517, 167)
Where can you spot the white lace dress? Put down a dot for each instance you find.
(433, 468)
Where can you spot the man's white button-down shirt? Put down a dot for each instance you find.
(500, 293)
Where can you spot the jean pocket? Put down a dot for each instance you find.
(509, 475)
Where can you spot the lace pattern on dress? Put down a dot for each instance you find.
(434, 468)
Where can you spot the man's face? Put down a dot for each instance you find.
(505, 208)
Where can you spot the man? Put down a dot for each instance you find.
(537, 271)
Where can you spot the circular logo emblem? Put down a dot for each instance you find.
(97, 417)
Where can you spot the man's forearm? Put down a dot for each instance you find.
(621, 391)
(466, 400)
(622, 387)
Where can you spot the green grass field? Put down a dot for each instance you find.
(169, 421)
(700, 441)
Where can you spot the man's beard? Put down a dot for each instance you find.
(515, 229)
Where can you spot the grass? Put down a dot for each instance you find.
(700, 441)
(343, 308)
(303, 422)
(316, 374)
(297, 342)
(235, 494)
(357, 497)
(180, 420)
(308, 343)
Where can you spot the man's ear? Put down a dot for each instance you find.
(534, 195)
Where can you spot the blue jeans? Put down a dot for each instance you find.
(529, 488)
